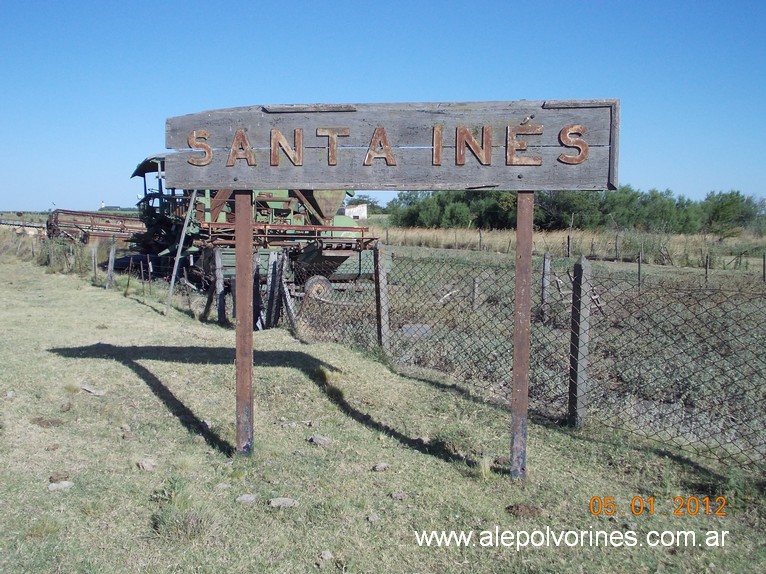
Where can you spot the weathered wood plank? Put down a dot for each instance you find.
(522, 145)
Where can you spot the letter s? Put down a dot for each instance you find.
(198, 140)
(566, 139)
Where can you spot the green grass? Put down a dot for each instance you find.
(168, 387)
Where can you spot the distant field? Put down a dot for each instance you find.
(744, 252)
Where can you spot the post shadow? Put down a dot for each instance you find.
(310, 366)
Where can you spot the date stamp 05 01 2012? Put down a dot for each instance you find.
(682, 506)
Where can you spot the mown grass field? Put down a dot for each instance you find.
(148, 449)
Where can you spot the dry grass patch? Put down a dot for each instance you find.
(169, 398)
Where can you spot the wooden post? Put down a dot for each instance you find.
(381, 299)
(258, 318)
(130, 274)
(243, 240)
(481, 241)
(707, 267)
(210, 290)
(578, 347)
(189, 212)
(219, 293)
(286, 297)
(617, 247)
(475, 293)
(110, 267)
(272, 290)
(233, 287)
(521, 333)
(569, 246)
(545, 288)
(640, 257)
(149, 271)
(764, 267)
(94, 261)
(387, 242)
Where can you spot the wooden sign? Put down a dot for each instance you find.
(522, 145)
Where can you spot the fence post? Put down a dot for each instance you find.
(110, 267)
(545, 291)
(287, 298)
(617, 247)
(640, 257)
(578, 347)
(381, 299)
(764, 267)
(475, 293)
(707, 267)
(272, 290)
(219, 293)
(94, 261)
(258, 321)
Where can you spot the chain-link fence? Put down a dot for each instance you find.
(669, 359)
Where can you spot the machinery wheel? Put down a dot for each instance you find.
(317, 286)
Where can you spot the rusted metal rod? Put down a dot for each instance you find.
(521, 333)
(178, 250)
(243, 222)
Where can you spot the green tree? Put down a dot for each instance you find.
(726, 213)
(560, 209)
(658, 211)
(620, 208)
(456, 215)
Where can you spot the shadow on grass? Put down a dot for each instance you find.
(130, 357)
(439, 449)
(313, 368)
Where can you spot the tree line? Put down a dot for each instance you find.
(720, 213)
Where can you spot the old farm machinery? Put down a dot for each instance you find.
(80, 226)
(322, 248)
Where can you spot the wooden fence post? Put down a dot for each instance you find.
(381, 299)
(578, 347)
(219, 292)
(545, 288)
(258, 319)
(110, 267)
(617, 247)
(287, 298)
(94, 261)
(272, 290)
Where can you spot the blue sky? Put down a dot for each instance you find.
(87, 86)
